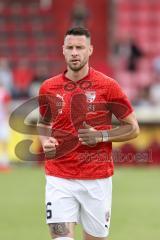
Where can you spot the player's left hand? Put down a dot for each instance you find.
(89, 135)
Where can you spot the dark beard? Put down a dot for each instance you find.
(78, 68)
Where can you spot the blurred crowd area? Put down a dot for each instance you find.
(125, 35)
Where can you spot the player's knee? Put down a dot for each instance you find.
(60, 231)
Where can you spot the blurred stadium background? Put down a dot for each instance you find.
(126, 39)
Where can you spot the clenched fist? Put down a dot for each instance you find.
(49, 147)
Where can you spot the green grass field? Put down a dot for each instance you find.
(135, 211)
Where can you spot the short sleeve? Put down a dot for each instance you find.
(44, 106)
(49, 104)
(119, 103)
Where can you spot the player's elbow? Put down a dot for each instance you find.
(135, 130)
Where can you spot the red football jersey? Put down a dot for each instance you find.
(67, 105)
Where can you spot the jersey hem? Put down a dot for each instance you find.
(107, 175)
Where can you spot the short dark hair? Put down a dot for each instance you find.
(78, 31)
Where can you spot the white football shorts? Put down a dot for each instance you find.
(87, 202)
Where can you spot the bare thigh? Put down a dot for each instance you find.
(89, 237)
(62, 229)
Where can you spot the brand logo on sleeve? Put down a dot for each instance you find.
(61, 103)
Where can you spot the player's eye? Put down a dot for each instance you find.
(79, 47)
(69, 47)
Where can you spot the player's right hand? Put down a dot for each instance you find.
(49, 147)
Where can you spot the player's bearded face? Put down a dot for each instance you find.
(77, 50)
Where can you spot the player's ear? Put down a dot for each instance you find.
(90, 50)
(63, 49)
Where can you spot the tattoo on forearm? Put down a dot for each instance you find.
(59, 229)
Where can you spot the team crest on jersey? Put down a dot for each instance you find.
(91, 95)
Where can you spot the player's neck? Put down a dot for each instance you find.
(75, 76)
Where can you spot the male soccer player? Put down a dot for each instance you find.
(76, 134)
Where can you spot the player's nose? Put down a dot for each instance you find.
(74, 52)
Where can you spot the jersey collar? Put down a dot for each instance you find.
(84, 78)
